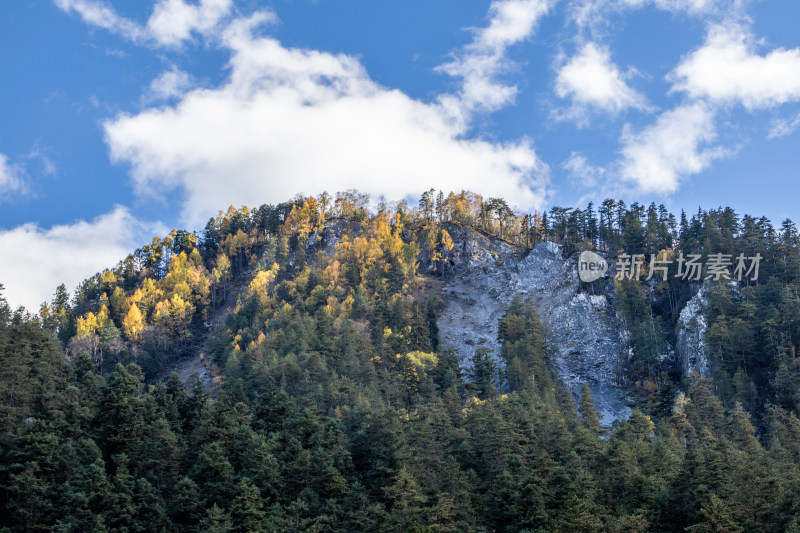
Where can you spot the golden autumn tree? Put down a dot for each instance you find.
(133, 323)
(181, 312)
(220, 276)
(118, 303)
(86, 339)
(447, 245)
(412, 368)
(260, 287)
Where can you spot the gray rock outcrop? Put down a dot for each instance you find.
(691, 346)
(488, 273)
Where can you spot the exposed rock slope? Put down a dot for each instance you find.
(488, 273)
(691, 347)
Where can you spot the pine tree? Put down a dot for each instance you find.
(120, 416)
(247, 513)
(484, 373)
(588, 411)
(405, 499)
(185, 508)
(217, 520)
(214, 475)
(718, 518)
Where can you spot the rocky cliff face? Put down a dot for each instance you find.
(484, 275)
(691, 347)
(488, 273)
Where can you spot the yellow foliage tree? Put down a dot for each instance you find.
(259, 288)
(412, 367)
(133, 323)
(447, 246)
(148, 296)
(220, 276)
(118, 303)
(87, 325)
(187, 279)
(181, 313)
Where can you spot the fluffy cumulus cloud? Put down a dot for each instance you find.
(172, 83)
(481, 63)
(591, 81)
(174, 21)
(658, 157)
(36, 260)
(171, 23)
(678, 144)
(290, 120)
(11, 180)
(727, 69)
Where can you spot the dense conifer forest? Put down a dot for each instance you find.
(331, 404)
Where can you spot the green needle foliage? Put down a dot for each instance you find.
(334, 407)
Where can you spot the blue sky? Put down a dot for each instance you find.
(125, 119)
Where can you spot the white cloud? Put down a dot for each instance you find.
(482, 61)
(587, 175)
(11, 178)
(592, 81)
(42, 155)
(102, 15)
(511, 22)
(171, 84)
(595, 14)
(677, 145)
(690, 6)
(36, 260)
(782, 127)
(592, 181)
(728, 70)
(291, 120)
(171, 23)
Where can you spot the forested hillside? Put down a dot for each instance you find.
(336, 407)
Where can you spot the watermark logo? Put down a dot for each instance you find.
(690, 267)
(591, 266)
